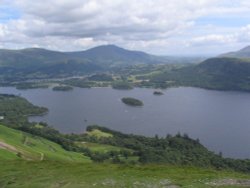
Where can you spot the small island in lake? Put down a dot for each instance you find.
(132, 101)
(62, 88)
(158, 93)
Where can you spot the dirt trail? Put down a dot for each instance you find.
(8, 147)
(26, 141)
(42, 156)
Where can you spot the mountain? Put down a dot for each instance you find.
(225, 66)
(101, 55)
(243, 53)
(36, 63)
(111, 54)
(29, 57)
(221, 73)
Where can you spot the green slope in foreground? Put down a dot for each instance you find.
(16, 144)
(60, 168)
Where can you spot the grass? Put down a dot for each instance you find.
(57, 174)
(97, 133)
(34, 148)
(6, 155)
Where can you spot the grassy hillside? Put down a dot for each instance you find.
(16, 144)
(60, 168)
(54, 174)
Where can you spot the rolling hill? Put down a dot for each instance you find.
(101, 55)
(243, 53)
(16, 144)
(29, 57)
(114, 55)
(37, 63)
(220, 73)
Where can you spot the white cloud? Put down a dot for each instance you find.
(241, 35)
(152, 25)
(214, 39)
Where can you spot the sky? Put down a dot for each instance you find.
(161, 27)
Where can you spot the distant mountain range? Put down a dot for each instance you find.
(101, 56)
(38, 63)
(105, 55)
(229, 71)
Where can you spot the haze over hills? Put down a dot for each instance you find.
(101, 55)
(29, 56)
(42, 63)
(109, 54)
(46, 63)
(242, 53)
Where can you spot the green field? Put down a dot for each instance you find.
(42, 163)
(72, 175)
(97, 133)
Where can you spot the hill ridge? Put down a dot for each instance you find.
(242, 53)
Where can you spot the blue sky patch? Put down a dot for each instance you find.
(226, 21)
(8, 13)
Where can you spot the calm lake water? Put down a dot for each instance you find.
(221, 120)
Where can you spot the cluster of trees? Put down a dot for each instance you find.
(17, 109)
(84, 83)
(178, 149)
(68, 142)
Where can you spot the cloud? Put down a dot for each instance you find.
(214, 39)
(77, 24)
(100, 18)
(241, 35)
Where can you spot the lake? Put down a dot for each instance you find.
(221, 120)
